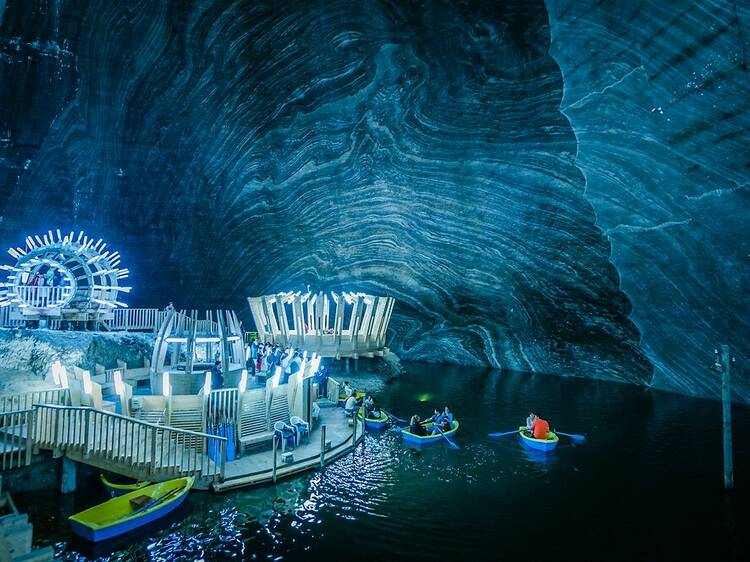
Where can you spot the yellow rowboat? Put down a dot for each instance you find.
(115, 490)
(130, 511)
(357, 395)
(538, 444)
(374, 423)
(409, 437)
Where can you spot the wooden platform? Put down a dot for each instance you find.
(255, 469)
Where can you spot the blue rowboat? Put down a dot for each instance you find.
(375, 423)
(538, 444)
(130, 511)
(114, 490)
(409, 437)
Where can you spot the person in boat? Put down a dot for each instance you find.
(435, 417)
(416, 427)
(539, 428)
(448, 416)
(369, 403)
(530, 420)
(375, 414)
(350, 406)
(348, 390)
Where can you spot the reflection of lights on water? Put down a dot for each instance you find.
(425, 397)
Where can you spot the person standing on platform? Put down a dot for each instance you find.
(254, 349)
(217, 376)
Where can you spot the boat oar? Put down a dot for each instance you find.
(155, 501)
(451, 443)
(574, 436)
(503, 434)
(398, 419)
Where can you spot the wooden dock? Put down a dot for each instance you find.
(157, 451)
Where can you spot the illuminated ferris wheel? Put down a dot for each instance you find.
(64, 277)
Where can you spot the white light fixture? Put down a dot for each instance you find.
(63, 372)
(233, 338)
(212, 339)
(56, 373)
(207, 384)
(243, 381)
(166, 388)
(119, 386)
(87, 388)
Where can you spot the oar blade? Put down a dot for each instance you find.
(395, 417)
(574, 436)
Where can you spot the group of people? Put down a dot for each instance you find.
(45, 276)
(536, 426)
(441, 421)
(263, 358)
(352, 403)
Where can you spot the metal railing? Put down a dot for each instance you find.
(40, 297)
(16, 429)
(137, 319)
(9, 317)
(223, 405)
(25, 400)
(152, 450)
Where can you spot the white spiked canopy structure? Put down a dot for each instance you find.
(355, 325)
(63, 276)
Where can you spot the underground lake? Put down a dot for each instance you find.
(645, 485)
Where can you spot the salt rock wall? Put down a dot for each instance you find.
(417, 149)
(26, 356)
(656, 93)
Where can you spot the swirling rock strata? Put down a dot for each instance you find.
(404, 148)
(657, 95)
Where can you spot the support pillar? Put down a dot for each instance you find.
(68, 476)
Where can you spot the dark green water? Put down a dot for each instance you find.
(647, 485)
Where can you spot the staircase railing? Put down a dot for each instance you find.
(153, 450)
(16, 444)
(25, 400)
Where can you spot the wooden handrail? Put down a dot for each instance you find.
(15, 447)
(28, 399)
(130, 420)
(133, 447)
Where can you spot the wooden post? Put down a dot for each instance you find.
(30, 418)
(153, 451)
(274, 455)
(726, 403)
(354, 430)
(223, 460)
(322, 445)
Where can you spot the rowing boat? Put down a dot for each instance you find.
(409, 437)
(375, 423)
(357, 395)
(538, 444)
(114, 490)
(130, 511)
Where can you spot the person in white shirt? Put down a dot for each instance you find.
(351, 404)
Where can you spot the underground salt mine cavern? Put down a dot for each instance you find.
(392, 280)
